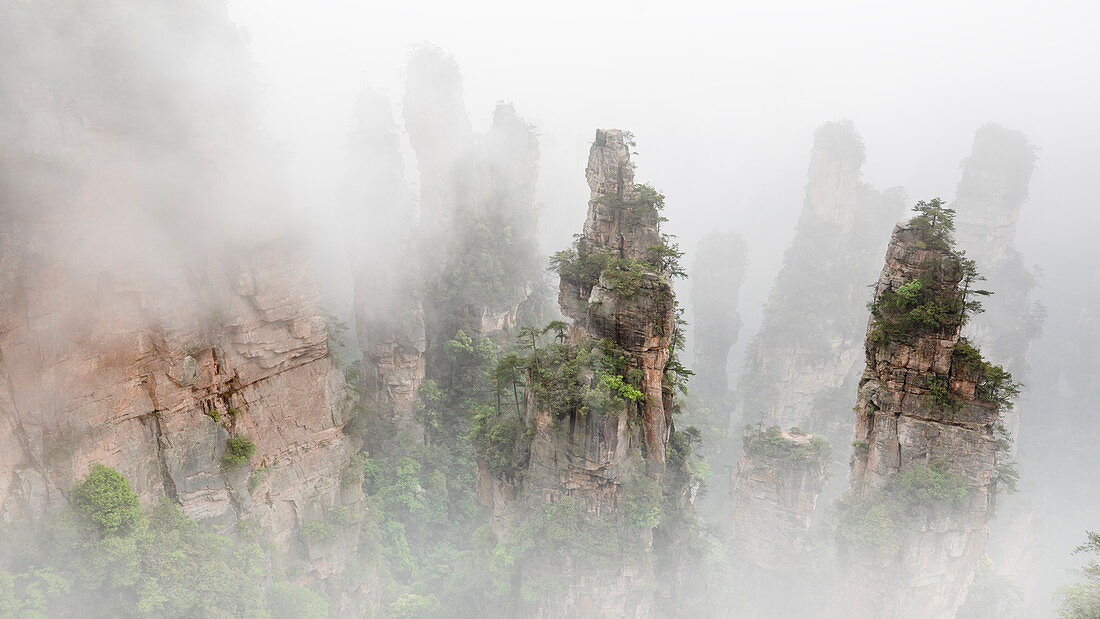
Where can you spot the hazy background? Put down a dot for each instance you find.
(723, 99)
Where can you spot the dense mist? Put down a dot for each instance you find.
(630, 309)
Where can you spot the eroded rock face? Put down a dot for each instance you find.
(594, 458)
(152, 373)
(642, 323)
(901, 425)
(153, 301)
(779, 478)
(805, 361)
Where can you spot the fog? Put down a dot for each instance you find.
(723, 98)
(231, 185)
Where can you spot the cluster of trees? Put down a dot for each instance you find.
(106, 556)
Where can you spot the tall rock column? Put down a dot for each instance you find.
(389, 315)
(779, 478)
(476, 231)
(924, 471)
(805, 359)
(590, 448)
(622, 227)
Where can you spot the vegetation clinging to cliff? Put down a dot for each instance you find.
(876, 521)
(942, 298)
(771, 442)
(933, 301)
(106, 556)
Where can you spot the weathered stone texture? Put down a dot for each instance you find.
(151, 372)
(592, 457)
(901, 427)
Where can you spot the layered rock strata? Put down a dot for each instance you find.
(597, 457)
(148, 311)
(920, 417)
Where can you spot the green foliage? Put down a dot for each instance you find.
(1081, 600)
(625, 390)
(318, 531)
(665, 257)
(413, 606)
(939, 393)
(1005, 476)
(643, 503)
(238, 451)
(916, 308)
(876, 521)
(131, 563)
(626, 277)
(676, 374)
(578, 264)
(771, 443)
(105, 499)
(288, 601)
(933, 302)
(919, 486)
(937, 222)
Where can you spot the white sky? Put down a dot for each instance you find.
(723, 97)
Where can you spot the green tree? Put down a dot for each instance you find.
(937, 221)
(1081, 600)
(104, 497)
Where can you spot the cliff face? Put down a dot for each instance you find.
(805, 359)
(476, 247)
(389, 314)
(141, 325)
(779, 478)
(924, 470)
(620, 225)
(153, 373)
(596, 447)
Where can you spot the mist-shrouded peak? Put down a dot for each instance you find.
(434, 108)
(834, 175)
(993, 188)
